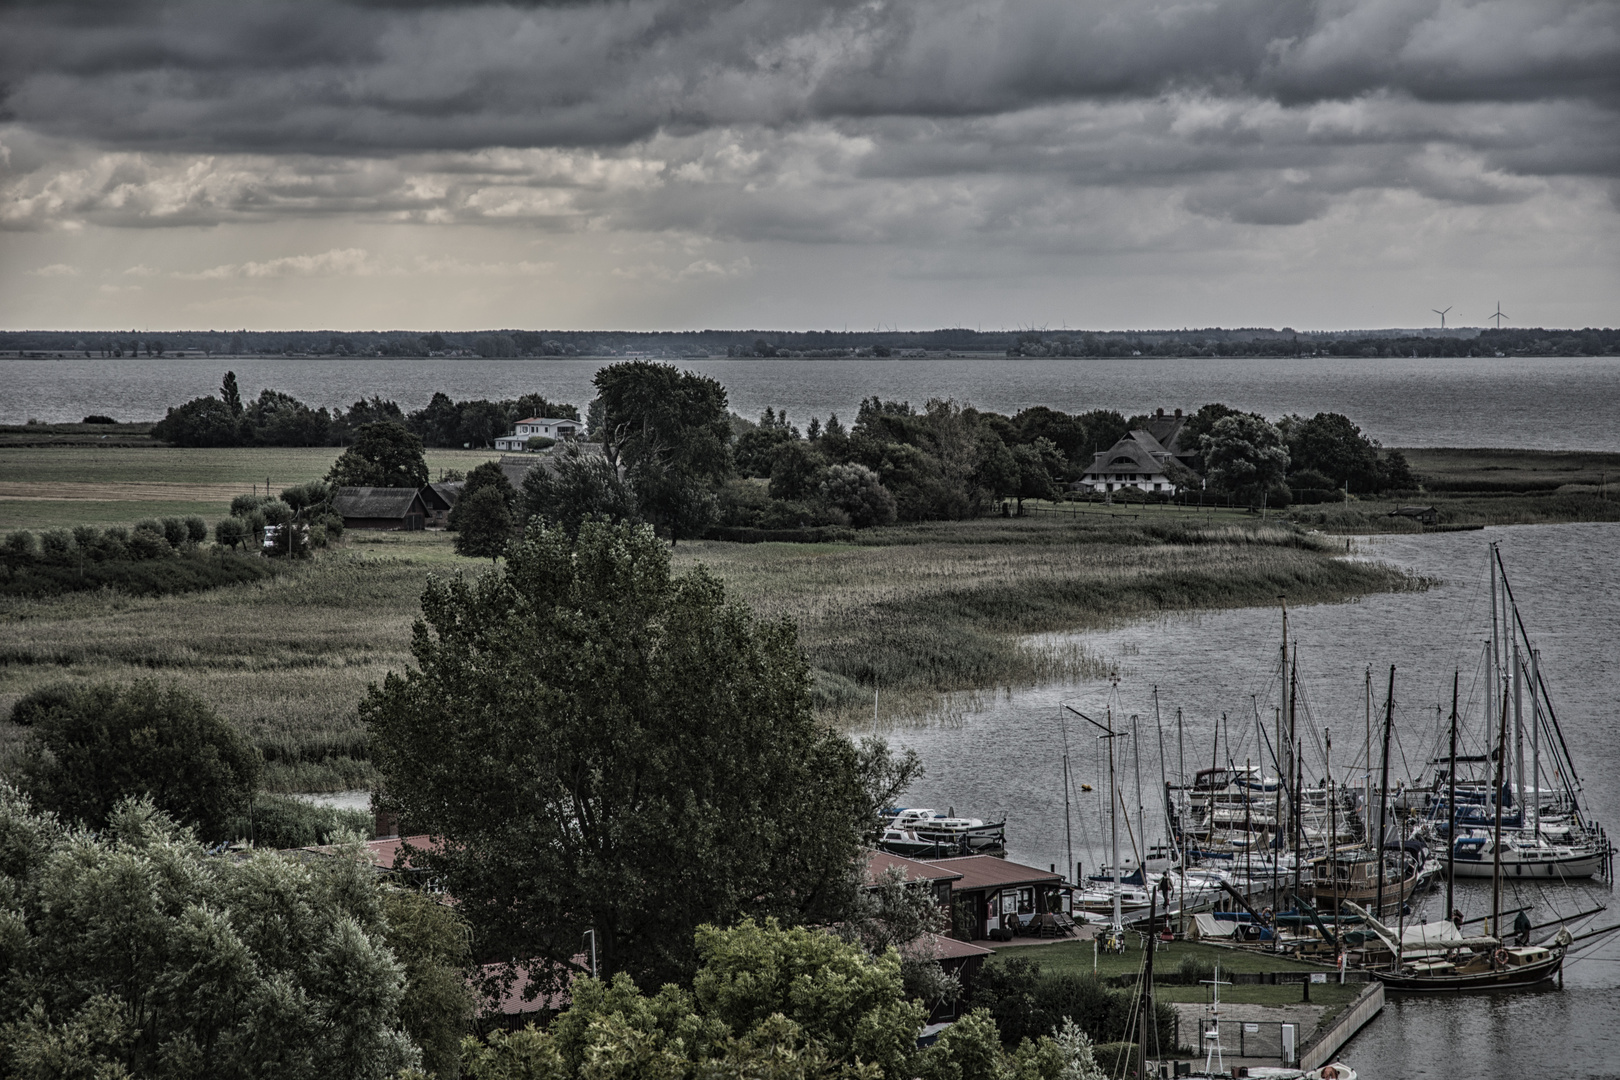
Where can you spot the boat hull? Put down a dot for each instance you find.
(1581, 866)
(1508, 978)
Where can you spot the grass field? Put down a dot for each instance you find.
(62, 486)
(920, 611)
(1486, 487)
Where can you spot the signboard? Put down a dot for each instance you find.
(1251, 1029)
(1318, 977)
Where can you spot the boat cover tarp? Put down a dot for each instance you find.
(1209, 926)
(1435, 935)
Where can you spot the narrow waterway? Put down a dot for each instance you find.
(1220, 669)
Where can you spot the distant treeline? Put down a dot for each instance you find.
(1209, 341)
(278, 419)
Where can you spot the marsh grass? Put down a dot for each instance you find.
(936, 618)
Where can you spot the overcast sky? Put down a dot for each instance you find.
(806, 164)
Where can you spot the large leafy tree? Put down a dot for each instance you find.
(1332, 445)
(88, 748)
(383, 455)
(483, 524)
(575, 486)
(672, 431)
(603, 745)
(133, 952)
(1245, 456)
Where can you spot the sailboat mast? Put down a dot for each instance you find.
(1333, 827)
(1383, 790)
(1113, 818)
(1535, 744)
(1518, 724)
(1493, 667)
(1451, 805)
(1496, 843)
(1295, 772)
(1366, 754)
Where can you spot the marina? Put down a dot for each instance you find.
(1310, 897)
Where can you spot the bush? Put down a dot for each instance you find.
(230, 532)
(275, 821)
(334, 526)
(97, 418)
(196, 529)
(148, 543)
(85, 536)
(857, 492)
(243, 505)
(108, 566)
(303, 496)
(90, 748)
(539, 442)
(276, 512)
(176, 533)
(56, 545)
(21, 547)
(113, 543)
(317, 536)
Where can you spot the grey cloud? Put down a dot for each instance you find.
(849, 121)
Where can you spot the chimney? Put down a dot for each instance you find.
(1178, 413)
(1161, 414)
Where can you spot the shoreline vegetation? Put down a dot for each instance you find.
(920, 612)
(927, 614)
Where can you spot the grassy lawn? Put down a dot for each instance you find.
(1076, 957)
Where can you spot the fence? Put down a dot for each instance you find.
(1241, 1038)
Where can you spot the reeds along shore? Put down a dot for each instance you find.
(916, 612)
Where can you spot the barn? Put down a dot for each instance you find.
(395, 509)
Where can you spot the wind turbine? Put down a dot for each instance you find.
(1498, 316)
(1442, 314)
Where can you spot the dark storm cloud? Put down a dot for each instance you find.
(787, 118)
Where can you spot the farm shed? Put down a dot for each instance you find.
(397, 509)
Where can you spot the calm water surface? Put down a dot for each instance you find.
(1006, 757)
(1554, 403)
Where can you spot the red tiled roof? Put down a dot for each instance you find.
(879, 861)
(989, 872)
(511, 1002)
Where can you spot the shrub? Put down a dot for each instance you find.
(243, 505)
(276, 512)
(856, 491)
(113, 543)
(334, 526)
(302, 496)
(90, 748)
(317, 536)
(21, 547)
(85, 536)
(152, 525)
(276, 821)
(56, 545)
(176, 533)
(196, 529)
(231, 532)
(148, 543)
(179, 572)
(539, 442)
(97, 418)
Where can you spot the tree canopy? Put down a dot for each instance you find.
(605, 745)
(132, 952)
(672, 433)
(88, 748)
(1245, 456)
(383, 455)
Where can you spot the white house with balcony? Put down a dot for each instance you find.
(1138, 460)
(537, 427)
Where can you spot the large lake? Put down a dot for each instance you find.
(1005, 756)
(1564, 403)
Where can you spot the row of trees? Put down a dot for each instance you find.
(278, 419)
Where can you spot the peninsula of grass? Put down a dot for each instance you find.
(917, 611)
(1478, 487)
